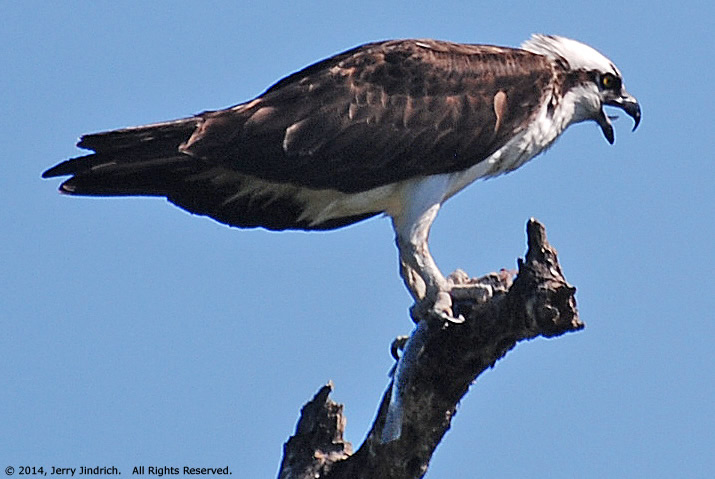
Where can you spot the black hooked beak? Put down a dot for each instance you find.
(625, 102)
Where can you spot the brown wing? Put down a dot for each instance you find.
(371, 116)
(378, 114)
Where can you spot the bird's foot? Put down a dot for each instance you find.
(439, 307)
(470, 291)
(461, 290)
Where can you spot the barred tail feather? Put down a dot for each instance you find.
(142, 160)
(150, 161)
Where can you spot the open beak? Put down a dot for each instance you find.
(625, 102)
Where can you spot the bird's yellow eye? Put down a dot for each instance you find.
(609, 82)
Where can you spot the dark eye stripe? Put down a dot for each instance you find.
(609, 81)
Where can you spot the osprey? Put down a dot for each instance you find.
(394, 127)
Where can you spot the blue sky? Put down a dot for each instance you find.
(134, 333)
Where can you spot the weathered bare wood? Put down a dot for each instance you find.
(318, 440)
(440, 363)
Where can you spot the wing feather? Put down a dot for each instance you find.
(379, 114)
(368, 117)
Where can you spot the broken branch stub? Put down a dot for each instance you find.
(444, 361)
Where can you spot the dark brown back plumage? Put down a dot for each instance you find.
(374, 115)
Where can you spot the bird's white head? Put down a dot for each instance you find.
(592, 82)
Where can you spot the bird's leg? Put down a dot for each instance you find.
(418, 269)
(424, 280)
(420, 201)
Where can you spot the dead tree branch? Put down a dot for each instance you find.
(439, 364)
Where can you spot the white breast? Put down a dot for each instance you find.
(537, 137)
